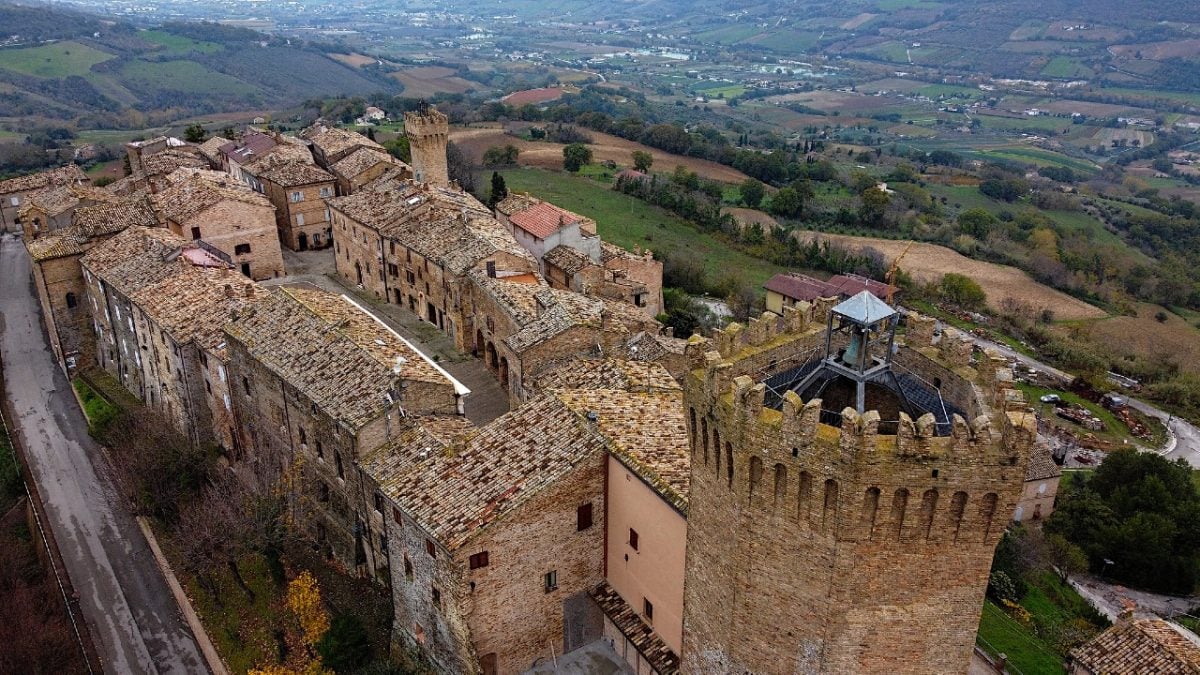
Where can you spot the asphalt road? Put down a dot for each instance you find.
(134, 620)
(1184, 437)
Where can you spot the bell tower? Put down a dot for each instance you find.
(847, 492)
(428, 132)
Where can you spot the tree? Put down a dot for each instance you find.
(874, 204)
(500, 155)
(398, 147)
(976, 222)
(459, 168)
(371, 133)
(499, 189)
(962, 290)
(642, 160)
(195, 133)
(304, 599)
(752, 191)
(1067, 558)
(786, 202)
(345, 647)
(575, 156)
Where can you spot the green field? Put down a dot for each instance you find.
(629, 222)
(1000, 633)
(61, 59)
(182, 76)
(789, 41)
(728, 35)
(1044, 123)
(177, 44)
(729, 91)
(1039, 157)
(1067, 67)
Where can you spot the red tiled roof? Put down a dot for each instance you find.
(799, 287)
(543, 219)
(853, 284)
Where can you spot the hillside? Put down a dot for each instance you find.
(61, 67)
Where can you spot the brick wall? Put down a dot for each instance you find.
(428, 135)
(309, 217)
(66, 309)
(228, 224)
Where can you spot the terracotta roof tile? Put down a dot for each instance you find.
(37, 181)
(189, 198)
(293, 173)
(544, 219)
(362, 159)
(648, 643)
(1041, 464)
(593, 373)
(1140, 647)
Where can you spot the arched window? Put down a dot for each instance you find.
(869, 508)
(704, 436)
(987, 513)
(958, 506)
(755, 475)
(928, 509)
(729, 462)
(899, 506)
(72, 301)
(829, 511)
(780, 482)
(804, 496)
(717, 447)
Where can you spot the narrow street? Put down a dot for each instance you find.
(134, 620)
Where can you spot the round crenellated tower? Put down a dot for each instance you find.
(839, 541)
(428, 132)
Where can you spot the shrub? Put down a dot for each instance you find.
(344, 647)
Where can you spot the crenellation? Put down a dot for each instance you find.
(919, 330)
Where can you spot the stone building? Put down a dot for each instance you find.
(428, 132)
(330, 145)
(1138, 645)
(58, 275)
(15, 191)
(158, 303)
(298, 191)
(1040, 489)
(413, 244)
(844, 511)
(226, 214)
(366, 165)
(318, 384)
(52, 208)
(540, 227)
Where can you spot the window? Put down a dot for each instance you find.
(320, 451)
(437, 598)
(246, 385)
(478, 560)
(383, 543)
(393, 269)
(379, 503)
(241, 249)
(633, 539)
(648, 610)
(326, 191)
(71, 301)
(583, 517)
(396, 516)
(550, 580)
(337, 461)
(324, 491)
(299, 220)
(297, 196)
(195, 233)
(410, 277)
(408, 570)
(303, 437)
(430, 548)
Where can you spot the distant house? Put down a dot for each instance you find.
(785, 290)
(1041, 487)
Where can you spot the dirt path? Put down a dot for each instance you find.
(928, 262)
(474, 141)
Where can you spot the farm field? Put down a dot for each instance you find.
(183, 76)
(430, 80)
(354, 60)
(1040, 157)
(178, 44)
(1144, 335)
(1066, 67)
(61, 59)
(475, 141)
(631, 223)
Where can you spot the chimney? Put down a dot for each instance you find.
(491, 268)
(229, 291)
(249, 291)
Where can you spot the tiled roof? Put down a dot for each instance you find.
(58, 244)
(594, 373)
(212, 148)
(334, 141)
(567, 259)
(60, 199)
(853, 284)
(293, 172)
(516, 201)
(326, 346)
(648, 643)
(1041, 464)
(543, 219)
(647, 346)
(250, 146)
(36, 181)
(89, 222)
(185, 200)
(645, 431)
(362, 159)
(1140, 647)
(612, 251)
(163, 163)
(456, 489)
(799, 287)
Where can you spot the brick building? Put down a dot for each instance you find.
(1040, 489)
(330, 145)
(226, 214)
(428, 132)
(365, 165)
(58, 275)
(318, 384)
(52, 208)
(299, 192)
(14, 191)
(844, 541)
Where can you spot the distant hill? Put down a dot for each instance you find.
(61, 66)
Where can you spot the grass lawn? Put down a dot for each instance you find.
(184, 76)
(629, 222)
(1064, 66)
(1039, 157)
(98, 410)
(1000, 633)
(60, 59)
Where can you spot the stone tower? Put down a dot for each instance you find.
(428, 133)
(833, 541)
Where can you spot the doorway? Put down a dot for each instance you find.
(303, 240)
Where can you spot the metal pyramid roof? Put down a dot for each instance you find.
(864, 308)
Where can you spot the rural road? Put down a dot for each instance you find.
(134, 620)
(1184, 437)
